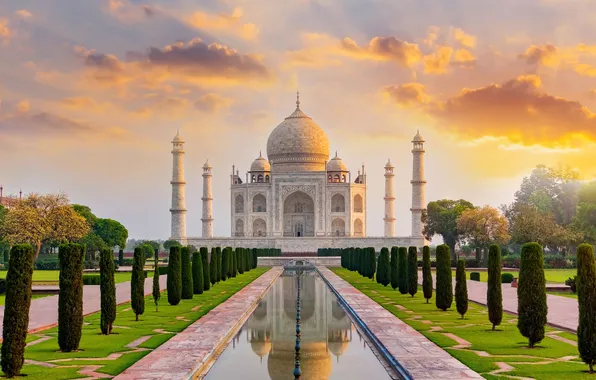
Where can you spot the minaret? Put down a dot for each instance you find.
(178, 209)
(207, 218)
(389, 201)
(418, 182)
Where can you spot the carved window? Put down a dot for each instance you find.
(239, 204)
(266, 178)
(259, 203)
(338, 203)
(358, 203)
(260, 178)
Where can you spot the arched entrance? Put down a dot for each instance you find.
(299, 215)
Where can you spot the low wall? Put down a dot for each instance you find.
(328, 261)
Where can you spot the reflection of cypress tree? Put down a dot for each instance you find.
(403, 270)
(197, 273)
(206, 271)
(394, 268)
(187, 286)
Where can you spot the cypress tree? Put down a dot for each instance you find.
(197, 273)
(412, 270)
(186, 270)
(121, 258)
(383, 271)
(206, 271)
(494, 298)
(224, 263)
(240, 260)
(70, 299)
(394, 268)
(218, 264)
(233, 262)
(444, 286)
(461, 288)
(107, 287)
(156, 288)
(586, 298)
(403, 270)
(531, 294)
(213, 267)
(372, 263)
(174, 279)
(16, 309)
(137, 283)
(255, 258)
(427, 276)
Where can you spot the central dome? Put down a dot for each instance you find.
(298, 144)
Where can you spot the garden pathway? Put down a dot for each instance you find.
(562, 311)
(44, 311)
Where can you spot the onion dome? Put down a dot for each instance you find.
(389, 165)
(178, 139)
(418, 137)
(260, 165)
(336, 164)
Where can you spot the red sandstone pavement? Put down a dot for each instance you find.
(562, 311)
(419, 356)
(192, 350)
(44, 311)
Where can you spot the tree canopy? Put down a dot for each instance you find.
(440, 218)
(483, 226)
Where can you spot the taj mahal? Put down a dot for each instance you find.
(297, 198)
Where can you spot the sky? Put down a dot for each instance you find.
(92, 93)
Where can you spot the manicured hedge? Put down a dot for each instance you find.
(108, 291)
(531, 294)
(475, 276)
(174, 281)
(91, 279)
(444, 286)
(137, 283)
(186, 272)
(70, 299)
(507, 278)
(427, 277)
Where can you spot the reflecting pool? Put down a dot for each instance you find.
(331, 346)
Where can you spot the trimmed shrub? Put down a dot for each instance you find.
(16, 309)
(121, 257)
(475, 276)
(240, 260)
(586, 298)
(494, 298)
(197, 273)
(186, 271)
(412, 270)
(427, 276)
(107, 288)
(174, 281)
(531, 294)
(461, 288)
(394, 268)
(384, 269)
(572, 283)
(218, 264)
(403, 270)
(92, 279)
(372, 263)
(156, 288)
(507, 278)
(137, 283)
(162, 270)
(206, 271)
(213, 267)
(444, 287)
(2, 285)
(70, 299)
(225, 263)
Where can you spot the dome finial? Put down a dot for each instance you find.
(297, 99)
(260, 153)
(336, 153)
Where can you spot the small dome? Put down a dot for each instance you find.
(261, 348)
(418, 137)
(178, 138)
(389, 165)
(260, 165)
(207, 165)
(338, 348)
(336, 165)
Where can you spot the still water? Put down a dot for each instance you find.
(331, 347)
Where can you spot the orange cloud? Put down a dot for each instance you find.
(431, 36)
(126, 11)
(213, 103)
(545, 55)
(83, 102)
(585, 69)
(464, 58)
(224, 22)
(407, 94)
(463, 38)
(23, 13)
(5, 32)
(438, 62)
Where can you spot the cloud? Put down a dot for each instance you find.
(518, 110)
(545, 55)
(5, 32)
(82, 102)
(213, 103)
(464, 58)
(126, 11)
(223, 22)
(585, 69)
(463, 38)
(431, 36)
(438, 62)
(407, 94)
(23, 13)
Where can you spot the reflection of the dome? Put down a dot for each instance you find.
(315, 361)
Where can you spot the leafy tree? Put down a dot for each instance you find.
(16, 309)
(444, 285)
(137, 283)
(483, 226)
(427, 277)
(586, 298)
(93, 243)
(174, 280)
(187, 285)
(494, 298)
(70, 299)
(107, 287)
(170, 243)
(531, 294)
(206, 271)
(86, 213)
(461, 288)
(384, 268)
(147, 249)
(156, 288)
(197, 273)
(440, 218)
(403, 270)
(412, 271)
(112, 232)
(394, 263)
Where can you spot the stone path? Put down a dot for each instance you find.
(192, 351)
(419, 356)
(44, 311)
(562, 311)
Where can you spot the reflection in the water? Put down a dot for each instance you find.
(325, 331)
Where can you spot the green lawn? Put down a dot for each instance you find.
(552, 359)
(50, 277)
(3, 297)
(159, 326)
(553, 276)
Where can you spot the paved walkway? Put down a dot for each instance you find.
(191, 351)
(562, 311)
(419, 356)
(44, 311)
